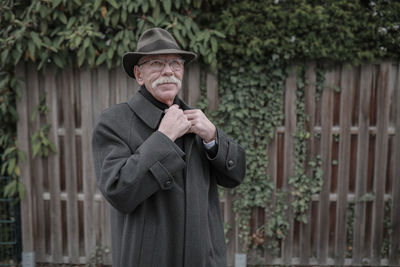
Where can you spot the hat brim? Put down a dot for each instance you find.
(130, 59)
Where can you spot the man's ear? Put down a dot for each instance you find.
(138, 75)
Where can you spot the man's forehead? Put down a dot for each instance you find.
(160, 56)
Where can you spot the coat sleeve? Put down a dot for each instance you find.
(125, 177)
(229, 163)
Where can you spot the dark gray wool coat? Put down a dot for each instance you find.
(154, 221)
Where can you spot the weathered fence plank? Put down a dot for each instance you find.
(394, 253)
(23, 137)
(305, 229)
(54, 169)
(88, 175)
(326, 155)
(288, 171)
(347, 90)
(191, 85)
(272, 171)
(103, 80)
(121, 89)
(37, 166)
(385, 88)
(70, 165)
(212, 91)
(362, 162)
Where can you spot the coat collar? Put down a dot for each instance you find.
(147, 111)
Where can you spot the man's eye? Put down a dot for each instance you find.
(156, 63)
(174, 63)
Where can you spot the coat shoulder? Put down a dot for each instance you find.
(115, 119)
(115, 114)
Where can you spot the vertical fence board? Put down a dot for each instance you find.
(37, 166)
(326, 155)
(104, 102)
(192, 82)
(212, 91)
(381, 150)
(70, 166)
(394, 254)
(362, 162)
(305, 229)
(229, 217)
(89, 181)
(54, 169)
(346, 99)
(272, 170)
(290, 129)
(121, 87)
(133, 88)
(23, 138)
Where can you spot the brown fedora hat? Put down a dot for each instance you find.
(154, 41)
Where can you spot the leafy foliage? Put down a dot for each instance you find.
(65, 33)
(338, 30)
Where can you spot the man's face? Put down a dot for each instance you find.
(162, 75)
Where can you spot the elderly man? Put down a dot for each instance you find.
(158, 163)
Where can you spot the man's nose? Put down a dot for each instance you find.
(167, 70)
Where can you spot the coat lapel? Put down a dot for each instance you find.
(145, 110)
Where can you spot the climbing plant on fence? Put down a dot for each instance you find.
(251, 43)
(262, 39)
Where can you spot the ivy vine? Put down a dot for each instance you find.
(262, 39)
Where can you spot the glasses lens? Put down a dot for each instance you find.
(176, 64)
(159, 64)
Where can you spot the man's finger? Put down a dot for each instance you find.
(174, 106)
(191, 111)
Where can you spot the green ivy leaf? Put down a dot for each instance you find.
(58, 60)
(167, 6)
(101, 59)
(113, 3)
(11, 166)
(36, 39)
(71, 22)
(97, 4)
(4, 56)
(63, 18)
(21, 190)
(55, 3)
(145, 6)
(81, 56)
(10, 189)
(153, 3)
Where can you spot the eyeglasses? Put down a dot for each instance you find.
(175, 64)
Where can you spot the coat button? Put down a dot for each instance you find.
(230, 162)
(167, 183)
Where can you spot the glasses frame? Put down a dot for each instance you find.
(165, 61)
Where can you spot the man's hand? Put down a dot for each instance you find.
(175, 123)
(201, 125)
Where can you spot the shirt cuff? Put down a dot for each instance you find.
(210, 144)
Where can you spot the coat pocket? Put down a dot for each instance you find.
(148, 244)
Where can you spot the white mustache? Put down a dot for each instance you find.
(170, 79)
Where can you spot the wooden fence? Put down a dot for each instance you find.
(64, 216)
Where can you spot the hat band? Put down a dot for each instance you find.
(158, 45)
